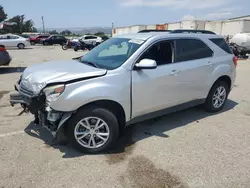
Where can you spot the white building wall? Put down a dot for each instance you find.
(188, 24)
(232, 27)
(215, 26)
(200, 24)
(137, 28)
(173, 26)
(246, 26)
(150, 27)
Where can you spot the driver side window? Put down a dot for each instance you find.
(162, 52)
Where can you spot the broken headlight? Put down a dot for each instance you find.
(53, 92)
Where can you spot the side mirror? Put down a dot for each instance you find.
(146, 64)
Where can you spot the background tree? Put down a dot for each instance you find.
(100, 34)
(66, 32)
(17, 24)
(3, 15)
(28, 26)
(53, 32)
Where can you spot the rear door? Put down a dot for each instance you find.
(193, 59)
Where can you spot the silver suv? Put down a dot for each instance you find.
(126, 79)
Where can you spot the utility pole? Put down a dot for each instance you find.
(43, 25)
(112, 29)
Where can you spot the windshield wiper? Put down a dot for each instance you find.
(90, 63)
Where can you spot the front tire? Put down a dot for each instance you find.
(64, 47)
(76, 48)
(93, 130)
(217, 97)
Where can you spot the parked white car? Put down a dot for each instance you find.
(89, 39)
(10, 40)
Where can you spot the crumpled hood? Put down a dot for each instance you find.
(57, 72)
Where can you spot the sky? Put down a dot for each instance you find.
(89, 13)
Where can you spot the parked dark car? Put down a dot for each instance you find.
(54, 39)
(5, 58)
(37, 39)
(105, 38)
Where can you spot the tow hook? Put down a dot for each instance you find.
(25, 110)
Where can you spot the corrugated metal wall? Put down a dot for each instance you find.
(188, 24)
(214, 26)
(151, 27)
(232, 27)
(200, 24)
(246, 26)
(173, 26)
(226, 27)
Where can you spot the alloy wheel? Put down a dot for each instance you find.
(92, 132)
(219, 97)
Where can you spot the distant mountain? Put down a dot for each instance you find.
(82, 30)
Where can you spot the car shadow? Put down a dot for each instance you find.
(132, 134)
(7, 70)
(15, 48)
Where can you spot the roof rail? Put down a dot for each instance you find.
(192, 31)
(153, 30)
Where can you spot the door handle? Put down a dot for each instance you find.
(209, 63)
(174, 72)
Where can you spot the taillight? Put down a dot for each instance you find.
(235, 60)
(2, 49)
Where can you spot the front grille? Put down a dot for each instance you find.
(25, 91)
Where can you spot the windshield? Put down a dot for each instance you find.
(112, 53)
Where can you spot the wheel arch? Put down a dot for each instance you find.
(226, 79)
(20, 43)
(112, 106)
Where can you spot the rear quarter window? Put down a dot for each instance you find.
(191, 49)
(220, 42)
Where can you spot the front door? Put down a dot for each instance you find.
(155, 89)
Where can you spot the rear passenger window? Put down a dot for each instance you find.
(222, 44)
(191, 49)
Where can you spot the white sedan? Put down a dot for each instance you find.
(10, 40)
(89, 39)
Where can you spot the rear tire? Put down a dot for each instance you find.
(21, 46)
(217, 97)
(104, 137)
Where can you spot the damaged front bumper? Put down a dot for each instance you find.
(53, 120)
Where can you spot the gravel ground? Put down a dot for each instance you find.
(186, 149)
